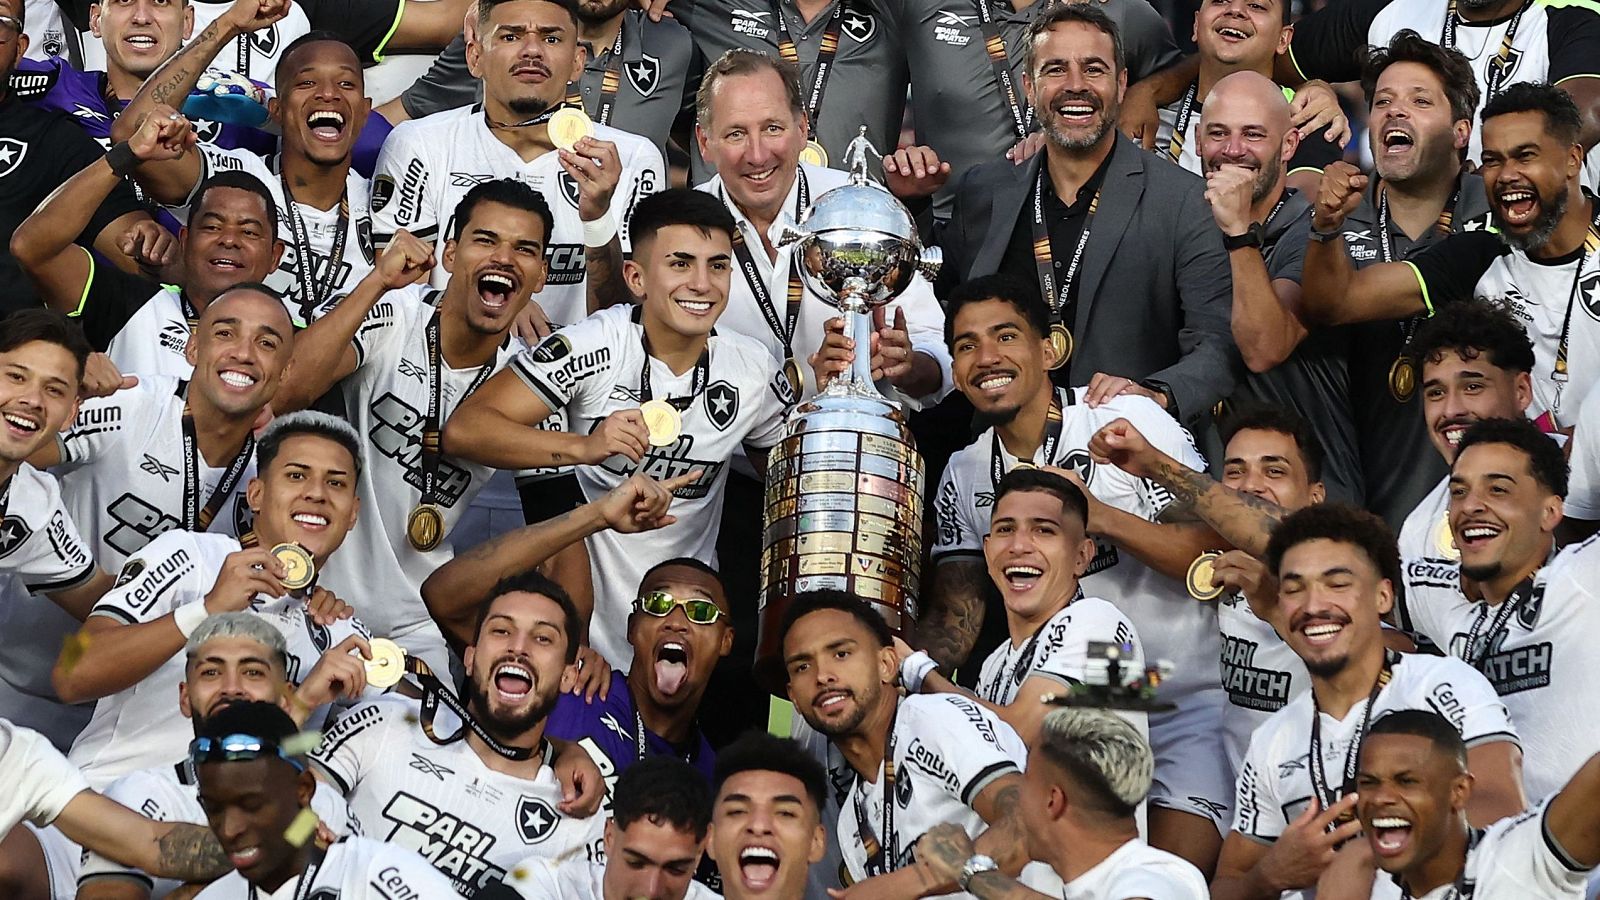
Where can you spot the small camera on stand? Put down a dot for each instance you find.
(1112, 682)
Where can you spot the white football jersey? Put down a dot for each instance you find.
(39, 780)
(439, 800)
(153, 339)
(1537, 661)
(171, 794)
(924, 315)
(1583, 483)
(427, 165)
(321, 227)
(386, 399)
(123, 465)
(352, 869)
(1426, 531)
(1059, 650)
(141, 727)
(1135, 869)
(537, 878)
(1517, 857)
(593, 369)
(1260, 673)
(947, 749)
(1275, 782)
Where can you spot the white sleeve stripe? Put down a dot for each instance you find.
(129, 875)
(333, 776)
(1493, 737)
(984, 778)
(538, 386)
(1554, 845)
(111, 612)
(72, 581)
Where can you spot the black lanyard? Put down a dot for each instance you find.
(308, 876)
(639, 741)
(435, 693)
(881, 855)
(432, 451)
(1497, 69)
(1053, 419)
(312, 291)
(702, 375)
(1024, 662)
(1461, 889)
(190, 314)
(995, 44)
(5, 497)
(1479, 640)
(782, 329)
(812, 93)
(1591, 243)
(611, 79)
(1180, 126)
(195, 516)
(1386, 254)
(1319, 780)
(540, 119)
(1060, 302)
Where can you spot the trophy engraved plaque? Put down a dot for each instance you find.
(843, 506)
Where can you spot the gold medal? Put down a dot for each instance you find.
(387, 664)
(568, 126)
(298, 568)
(791, 371)
(1444, 540)
(1060, 345)
(1402, 379)
(1023, 465)
(662, 420)
(814, 154)
(425, 527)
(1201, 572)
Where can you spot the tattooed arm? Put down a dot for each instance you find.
(949, 626)
(1000, 805)
(1244, 520)
(164, 849)
(946, 848)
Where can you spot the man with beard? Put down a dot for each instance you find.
(1543, 258)
(1514, 608)
(405, 357)
(1476, 363)
(1246, 140)
(256, 793)
(653, 842)
(1421, 100)
(475, 802)
(766, 817)
(127, 653)
(1150, 319)
(916, 762)
(1336, 568)
(1415, 787)
(998, 334)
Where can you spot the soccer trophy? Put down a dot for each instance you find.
(844, 485)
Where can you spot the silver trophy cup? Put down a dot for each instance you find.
(845, 484)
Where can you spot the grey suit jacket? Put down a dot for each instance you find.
(1156, 290)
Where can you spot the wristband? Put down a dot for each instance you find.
(599, 232)
(121, 160)
(914, 669)
(189, 616)
(1323, 237)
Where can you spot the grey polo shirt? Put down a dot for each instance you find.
(956, 99)
(657, 81)
(1399, 464)
(867, 85)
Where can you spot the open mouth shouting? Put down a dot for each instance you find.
(672, 667)
(1396, 140)
(1389, 835)
(513, 682)
(1020, 577)
(495, 288)
(1519, 205)
(22, 425)
(758, 867)
(327, 125)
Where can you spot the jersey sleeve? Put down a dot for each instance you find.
(773, 400)
(1257, 811)
(958, 531)
(1314, 153)
(404, 187)
(447, 84)
(1462, 695)
(1147, 41)
(1522, 851)
(103, 423)
(1329, 43)
(1574, 41)
(1583, 486)
(73, 150)
(150, 796)
(567, 369)
(1448, 270)
(40, 780)
(1414, 611)
(1165, 434)
(644, 173)
(976, 746)
(1289, 253)
(395, 872)
(1064, 657)
(366, 25)
(161, 577)
(380, 336)
(214, 159)
(59, 558)
(357, 743)
(110, 298)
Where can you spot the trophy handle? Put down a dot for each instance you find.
(790, 235)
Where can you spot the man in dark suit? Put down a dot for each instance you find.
(1121, 241)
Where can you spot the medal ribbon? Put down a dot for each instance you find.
(308, 876)
(1497, 68)
(825, 54)
(1319, 780)
(1386, 246)
(1060, 302)
(432, 451)
(995, 44)
(1591, 243)
(1479, 640)
(434, 693)
(540, 119)
(1052, 437)
(702, 374)
(782, 329)
(638, 737)
(196, 517)
(310, 296)
(881, 854)
(611, 79)
(1180, 127)
(1460, 889)
(5, 497)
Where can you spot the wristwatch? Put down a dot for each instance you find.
(1254, 236)
(976, 864)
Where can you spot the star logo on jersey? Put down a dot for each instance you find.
(1505, 66)
(265, 41)
(158, 468)
(861, 27)
(428, 767)
(536, 820)
(569, 188)
(206, 131)
(1528, 612)
(1079, 461)
(1589, 294)
(12, 152)
(902, 790)
(644, 74)
(13, 534)
(722, 404)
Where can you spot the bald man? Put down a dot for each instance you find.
(1245, 143)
